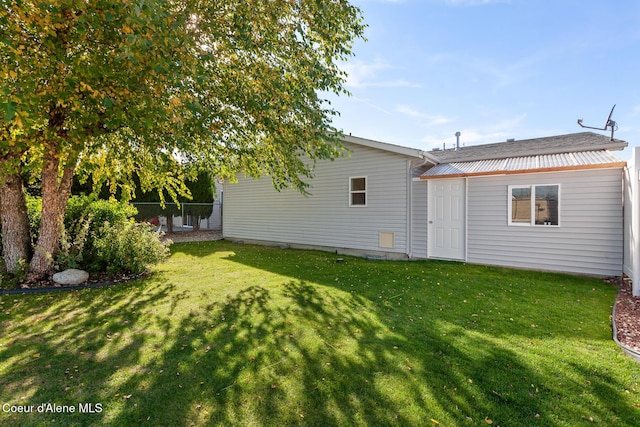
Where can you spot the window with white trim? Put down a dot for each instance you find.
(534, 205)
(358, 191)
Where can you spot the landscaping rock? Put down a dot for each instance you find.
(71, 276)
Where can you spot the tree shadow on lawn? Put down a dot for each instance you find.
(201, 249)
(311, 350)
(61, 347)
(500, 300)
(455, 367)
(320, 359)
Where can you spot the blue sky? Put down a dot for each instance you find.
(492, 69)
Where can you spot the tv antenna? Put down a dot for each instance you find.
(609, 124)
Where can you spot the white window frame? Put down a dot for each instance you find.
(532, 222)
(352, 191)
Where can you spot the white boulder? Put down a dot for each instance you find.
(71, 276)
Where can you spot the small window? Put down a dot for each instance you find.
(358, 191)
(534, 205)
(521, 205)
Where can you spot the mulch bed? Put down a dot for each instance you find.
(627, 315)
(95, 281)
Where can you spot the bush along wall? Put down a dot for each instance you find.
(102, 236)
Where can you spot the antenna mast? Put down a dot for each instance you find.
(608, 124)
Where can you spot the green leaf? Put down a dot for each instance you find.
(10, 111)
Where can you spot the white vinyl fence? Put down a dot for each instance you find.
(632, 221)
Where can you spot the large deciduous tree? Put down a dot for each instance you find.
(114, 87)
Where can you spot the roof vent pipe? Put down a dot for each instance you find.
(457, 141)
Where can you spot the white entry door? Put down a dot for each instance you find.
(447, 219)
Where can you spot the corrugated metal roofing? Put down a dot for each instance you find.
(549, 162)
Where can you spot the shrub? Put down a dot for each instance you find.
(100, 210)
(128, 247)
(79, 206)
(100, 235)
(73, 243)
(34, 210)
(83, 223)
(13, 280)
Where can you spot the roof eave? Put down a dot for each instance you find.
(616, 165)
(392, 148)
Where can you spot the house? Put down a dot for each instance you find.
(548, 204)
(359, 204)
(552, 203)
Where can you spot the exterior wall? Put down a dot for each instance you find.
(589, 239)
(419, 206)
(632, 221)
(254, 211)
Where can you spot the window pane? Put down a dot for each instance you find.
(547, 205)
(521, 205)
(358, 184)
(358, 199)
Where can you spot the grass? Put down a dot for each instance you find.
(226, 334)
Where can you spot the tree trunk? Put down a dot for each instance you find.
(169, 224)
(196, 223)
(55, 193)
(16, 241)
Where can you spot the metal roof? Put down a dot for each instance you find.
(537, 163)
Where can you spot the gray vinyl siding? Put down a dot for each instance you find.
(253, 210)
(589, 239)
(419, 219)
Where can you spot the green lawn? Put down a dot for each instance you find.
(226, 334)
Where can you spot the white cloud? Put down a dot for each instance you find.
(362, 74)
(430, 119)
(474, 2)
(371, 104)
(508, 124)
(504, 73)
(474, 135)
(358, 72)
(393, 83)
(635, 111)
(379, 1)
